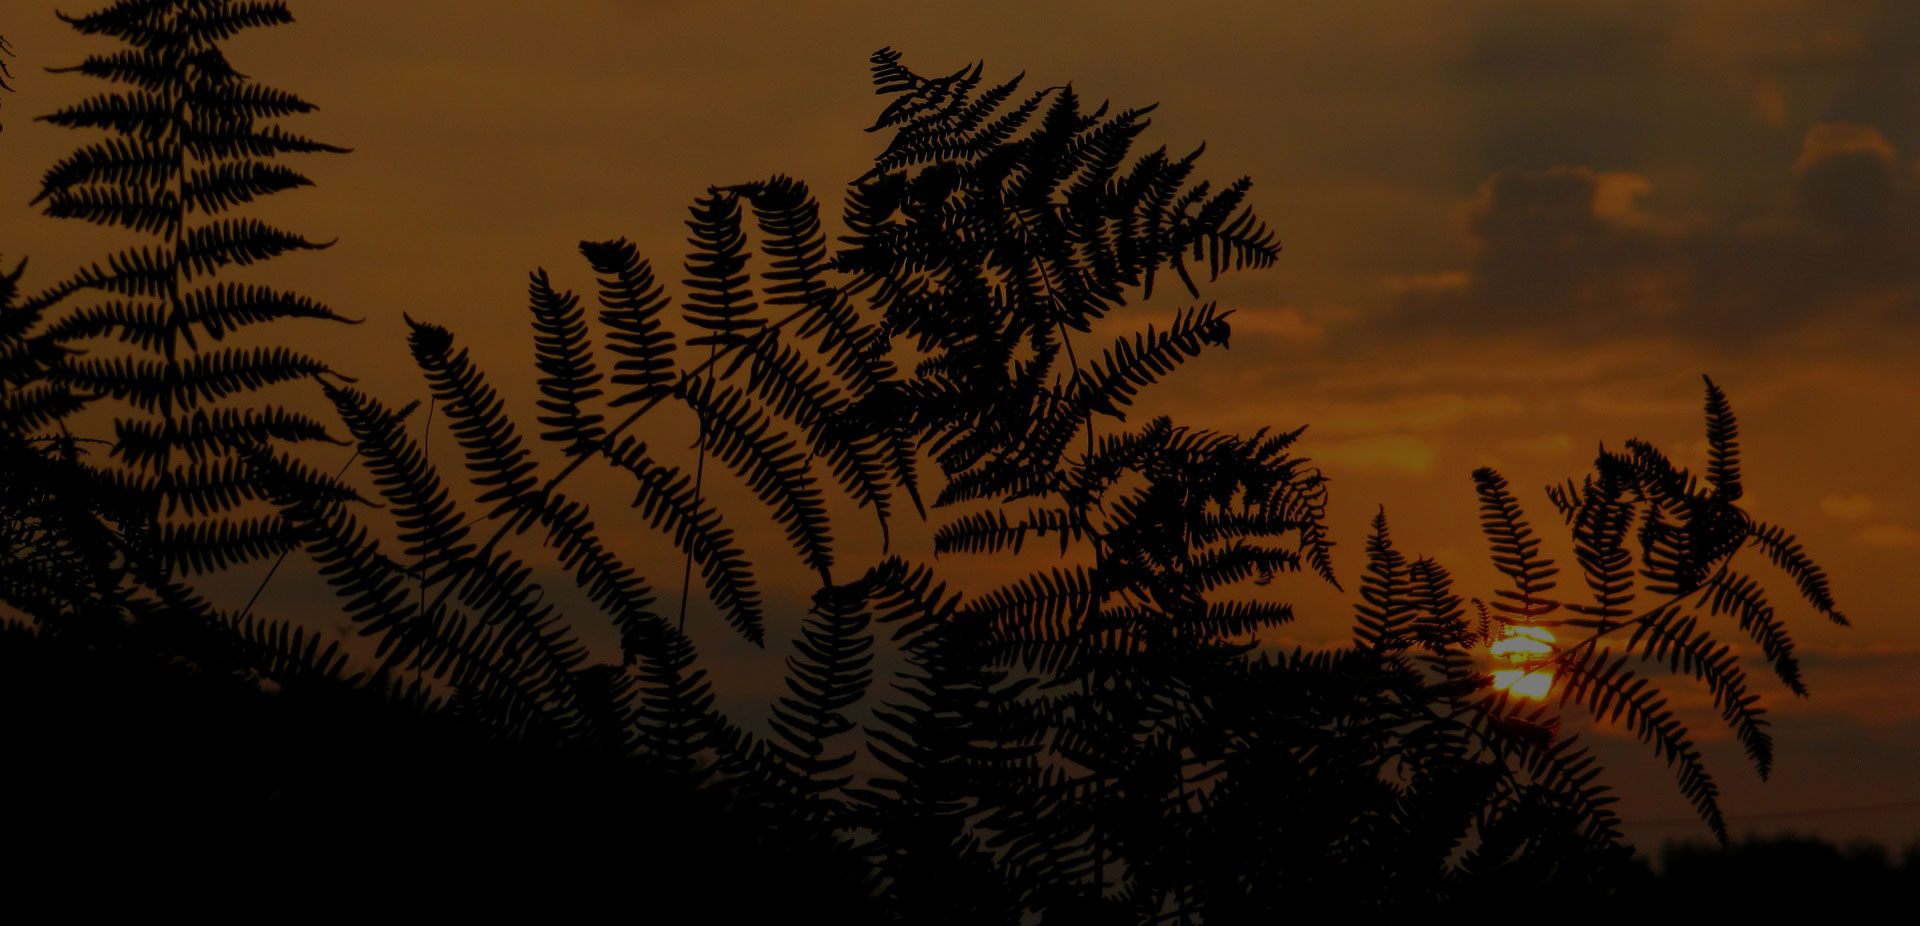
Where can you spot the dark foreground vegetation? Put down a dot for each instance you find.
(1099, 739)
(1766, 878)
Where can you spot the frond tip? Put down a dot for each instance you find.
(1723, 447)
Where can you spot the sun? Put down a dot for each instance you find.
(1524, 650)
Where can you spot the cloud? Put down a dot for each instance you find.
(1905, 656)
(1416, 283)
(1550, 446)
(1847, 507)
(1427, 412)
(1570, 253)
(1888, 536)
(1401, 454)
(1553, 249)
(1287, 324)
(1846, 175)
(1552, 83)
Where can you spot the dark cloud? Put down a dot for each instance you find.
(1563, 85)
(1881, 85)
(1570, 252)
(1846, 176)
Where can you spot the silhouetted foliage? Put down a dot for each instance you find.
(1097, 739)
(1770, 877)
(350, 793)
(5, 73)
(1687, 533)
(1100, 739)
(189, 140)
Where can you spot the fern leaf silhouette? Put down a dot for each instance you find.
(189, 140)
(1104, 732)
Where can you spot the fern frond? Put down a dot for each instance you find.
(794, 389)
(1601, 518)
(991, 532)
(1441, 626)
(1128, 366)
(1235, 562)
(216, 189)
(1233, 241)
(631, 302)
(203, 546)
(1742, 597)
(151, 211)
(563, 355)
(770, 463)
(909, 596)
(667, 500)
(1045, 163)
(138, 113)
(610, 584)
(1668, 635)
(1150, 188)
(38, 406)
(210, 141)
(1049, 606)
(827, 675)
(1723, 449)
(286, 654)
(514, 661)
(205, 433)
(918, 94)
(143, 324)
(228, 307)
(210, 487)
(1229, 619)
(1575, 773)
(675, 719)
(110, 162)
(376, 590)
(223, 20)
(203, 378)
(132, 272)
(970, 133)
(493, 449)
(431, 525)
(720, 301)
(238, 102)
(789, 221)
(141, 68)
(1611, 692)
(236, 241)
(1785, 552)
(1515, 549)
(136, 23)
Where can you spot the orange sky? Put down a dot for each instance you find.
(1512, 230)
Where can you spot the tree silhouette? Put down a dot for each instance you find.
(1097, 739)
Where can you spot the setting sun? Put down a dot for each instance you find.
(1524, 650)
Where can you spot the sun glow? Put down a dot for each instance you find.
(1524, 650)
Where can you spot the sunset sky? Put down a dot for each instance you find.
(1513, 231)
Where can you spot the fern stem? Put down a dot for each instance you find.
(426, 461)
(699, 474)
(1672, 603)
(605, 446)
(283, 556)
